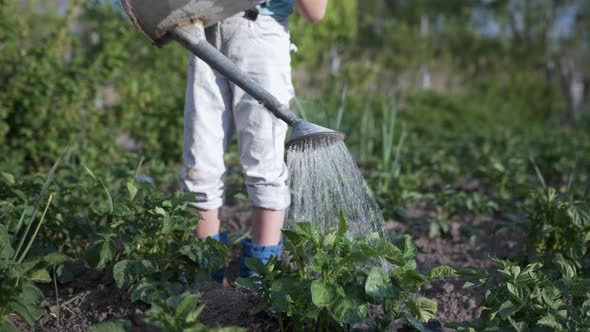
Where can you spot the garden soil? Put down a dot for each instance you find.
(469, 243)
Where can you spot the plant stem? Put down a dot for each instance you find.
(20, 223)
(56, 296)
(39, 200)
(28, 247)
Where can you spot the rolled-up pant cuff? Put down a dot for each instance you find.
(208, 205)
(269, 197)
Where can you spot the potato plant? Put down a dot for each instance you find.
(149, 244)
(333, 281)
(530, 298)
(181, 313)
(559, 226)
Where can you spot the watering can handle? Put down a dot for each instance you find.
(193, 38)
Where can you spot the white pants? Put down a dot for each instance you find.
(214, 107)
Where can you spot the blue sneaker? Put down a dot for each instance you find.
(263, 253)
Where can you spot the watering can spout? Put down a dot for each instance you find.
(185, 20)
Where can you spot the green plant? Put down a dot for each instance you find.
(448, 203)
(529, 299)
(18, 270)
(17, 289)
(332, 281)
(558, 226)
(180, 313)
(157, 246)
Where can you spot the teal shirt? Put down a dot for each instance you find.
(279, 9)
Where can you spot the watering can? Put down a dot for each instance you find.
(184, 21)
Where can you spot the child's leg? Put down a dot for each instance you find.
(208, 126)
(209, 225)
(261, 49)
(266, 226)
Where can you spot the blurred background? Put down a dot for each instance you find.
(460, 74)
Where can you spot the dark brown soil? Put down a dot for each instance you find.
(94, 300)
(470, 244)
(98, 300)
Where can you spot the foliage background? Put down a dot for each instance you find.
(76, 71)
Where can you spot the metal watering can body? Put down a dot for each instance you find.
(157, 18)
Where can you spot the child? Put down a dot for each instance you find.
(258, 42)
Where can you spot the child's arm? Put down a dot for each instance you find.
(311, 10)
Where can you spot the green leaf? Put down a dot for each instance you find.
(30, 294)
(67, 271)
(468, 271)
(411, 276)
(442, 272)
(251, 283)
(329, 241)
(6, 250)
(126, 272)
(160, 211)
(309, 231)
(292, 237)
(56, 258)
(122, 273)
(342, 226)
(41, 275)
(392, 254)
(8, 327)
(24, 267)
(146, 290)
(551, 297)
(118, 325)
(256, 265)
(416, 324)
(507, 309)
(107, 254)
(378, 285)
(9, 178)
(566, 268)
(409, 248)
(550, 321)
(109, 197)
(518, 326)
(132, 189)
(322, 294)
(30, 313)
(92, 254)
(193, 316)
(188, 305)
(280, 293)
(228, 329)
(513, 290)
(423, 308)
(351, 308)
(167, 225)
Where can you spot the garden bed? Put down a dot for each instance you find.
(97, 298)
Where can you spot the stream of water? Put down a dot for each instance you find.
(324, 181)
